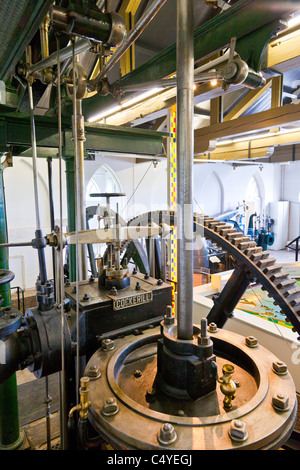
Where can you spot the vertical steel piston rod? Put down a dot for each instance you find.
(185, 152)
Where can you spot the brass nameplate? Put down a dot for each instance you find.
(132, 301)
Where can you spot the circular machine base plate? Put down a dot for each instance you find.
(128, 373)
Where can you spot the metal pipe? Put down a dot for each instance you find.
(52, 217)
(132, 36)
(60, 265)
(185, 155)
(80, 185)
(82, 45)
(48, 399)
(34, 159)
(13, 245)
(38, 232)
(76, 217)
(170, 82)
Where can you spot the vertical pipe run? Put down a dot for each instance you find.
(60, 265)
(185, 153)
(80, 186)
(52, 217)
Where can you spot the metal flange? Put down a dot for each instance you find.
(201, 424)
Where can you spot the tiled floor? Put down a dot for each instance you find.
(283, 256)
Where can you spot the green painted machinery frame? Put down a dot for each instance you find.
(10, 434)
(253, 25)
(15, 134)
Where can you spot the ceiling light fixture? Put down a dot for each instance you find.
(294, 20)
(214, 82)
(256, 136)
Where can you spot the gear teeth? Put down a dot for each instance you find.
(262, 263)
(213, 224)
(237, 241)
(250, 251)
(290, 293)
(278, 276)
(221, 226)
(272, 269)
(227, 231)
(243, 245)
(232, 236)
(287, 283)
(295, 302)
(278, 284)
(208, 220)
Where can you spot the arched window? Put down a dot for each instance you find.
(103, 181)
(210, 196)
(253, 197)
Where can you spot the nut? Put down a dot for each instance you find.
(280, 402)
(107, 344)
(280, 368)
(204, 341)
(238, 431)
(94, 372)
(167, 434)
(86, 297)
(212, 328)
(251, 342)
(110, 407)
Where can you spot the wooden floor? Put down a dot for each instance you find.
(32, 410)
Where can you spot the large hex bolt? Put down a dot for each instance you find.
(280, 368)
(238, 431)
(110, 407)
(251, 342)
(280, 402)
(107, 344)
(167, 434)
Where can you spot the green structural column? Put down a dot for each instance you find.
(70, 180)
(10, 435)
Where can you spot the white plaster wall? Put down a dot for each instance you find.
(291, 193)
(213, 179)
(144, 185)
(145, 188)
(21, 222)
(217, 188)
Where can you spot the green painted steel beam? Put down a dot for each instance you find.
(70, 185)
(251, 22)
(15, 132)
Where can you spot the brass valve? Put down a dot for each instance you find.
(228, 387)
(84, 404)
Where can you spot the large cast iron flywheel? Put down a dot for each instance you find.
(251, 264)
